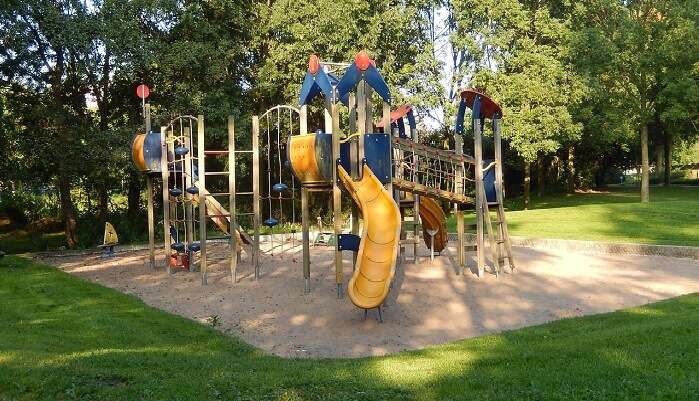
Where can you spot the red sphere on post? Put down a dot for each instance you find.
(313, 64)
(142, 91)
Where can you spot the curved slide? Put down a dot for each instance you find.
(378, 248)
(433, 218)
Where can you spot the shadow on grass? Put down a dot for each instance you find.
(65, 338)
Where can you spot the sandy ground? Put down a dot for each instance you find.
(430, 303)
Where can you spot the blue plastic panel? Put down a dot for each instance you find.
(348, 242)
(313, 85)
(460, 117)
(345, 156)
(377, 153)
(411, 120)
(324, 155)
(375, 80)
(489, 182)
(348, 82)
(152, 151)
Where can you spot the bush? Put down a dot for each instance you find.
(23, 206)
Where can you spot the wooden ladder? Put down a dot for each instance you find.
(499, 237)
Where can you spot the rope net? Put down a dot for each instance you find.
(433, 172)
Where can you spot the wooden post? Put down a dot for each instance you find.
(188, 207)
(305, 236)
(233, 255)
(149, 195)
(387, 123)
(151, 223)
(202, 198)
(362, 115)
(369, 109)
(459, 149)
(352, 114)
(480, 240)
(256, 193)
(416, 203)
(499, 191)
(146, 116)
(303, 120)
(306, 241)
(337, 196)
(165, 175)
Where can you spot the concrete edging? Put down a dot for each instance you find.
(673, 251)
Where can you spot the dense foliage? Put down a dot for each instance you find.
(583, 84)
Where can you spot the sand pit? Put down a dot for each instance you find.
(430, 304)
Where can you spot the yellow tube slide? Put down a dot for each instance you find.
(433, 218)
(378, 248)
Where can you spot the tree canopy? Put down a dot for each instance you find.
(603, 84)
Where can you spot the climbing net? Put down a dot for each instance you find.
(278, 189)
(433, 172)
(182, 191)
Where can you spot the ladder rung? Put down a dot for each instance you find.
(216, 173)
(218, 194)
(493, 203)
(245, 214)
(219, 215)
(245, 193)
(215, 152)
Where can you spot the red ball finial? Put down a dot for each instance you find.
(362, 60)
(313, 64)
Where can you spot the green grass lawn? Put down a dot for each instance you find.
(671, 217)
(63, 338)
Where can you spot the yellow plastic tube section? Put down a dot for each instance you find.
(302, 153)
(433, 218)
(378, 247)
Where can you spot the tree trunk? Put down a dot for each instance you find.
(541, 177)
(668, 158)
(527, 184)
(571, 170)
(102, 203)
(134, 195)
(68, 211)
(645, 168)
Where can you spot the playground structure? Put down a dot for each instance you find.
(383, 167)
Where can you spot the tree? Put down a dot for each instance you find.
(520, 52)
(396, 36)
(638, 51)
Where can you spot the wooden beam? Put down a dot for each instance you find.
(256, 193)
(232, 227)
(202, 198)
(165, 175)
